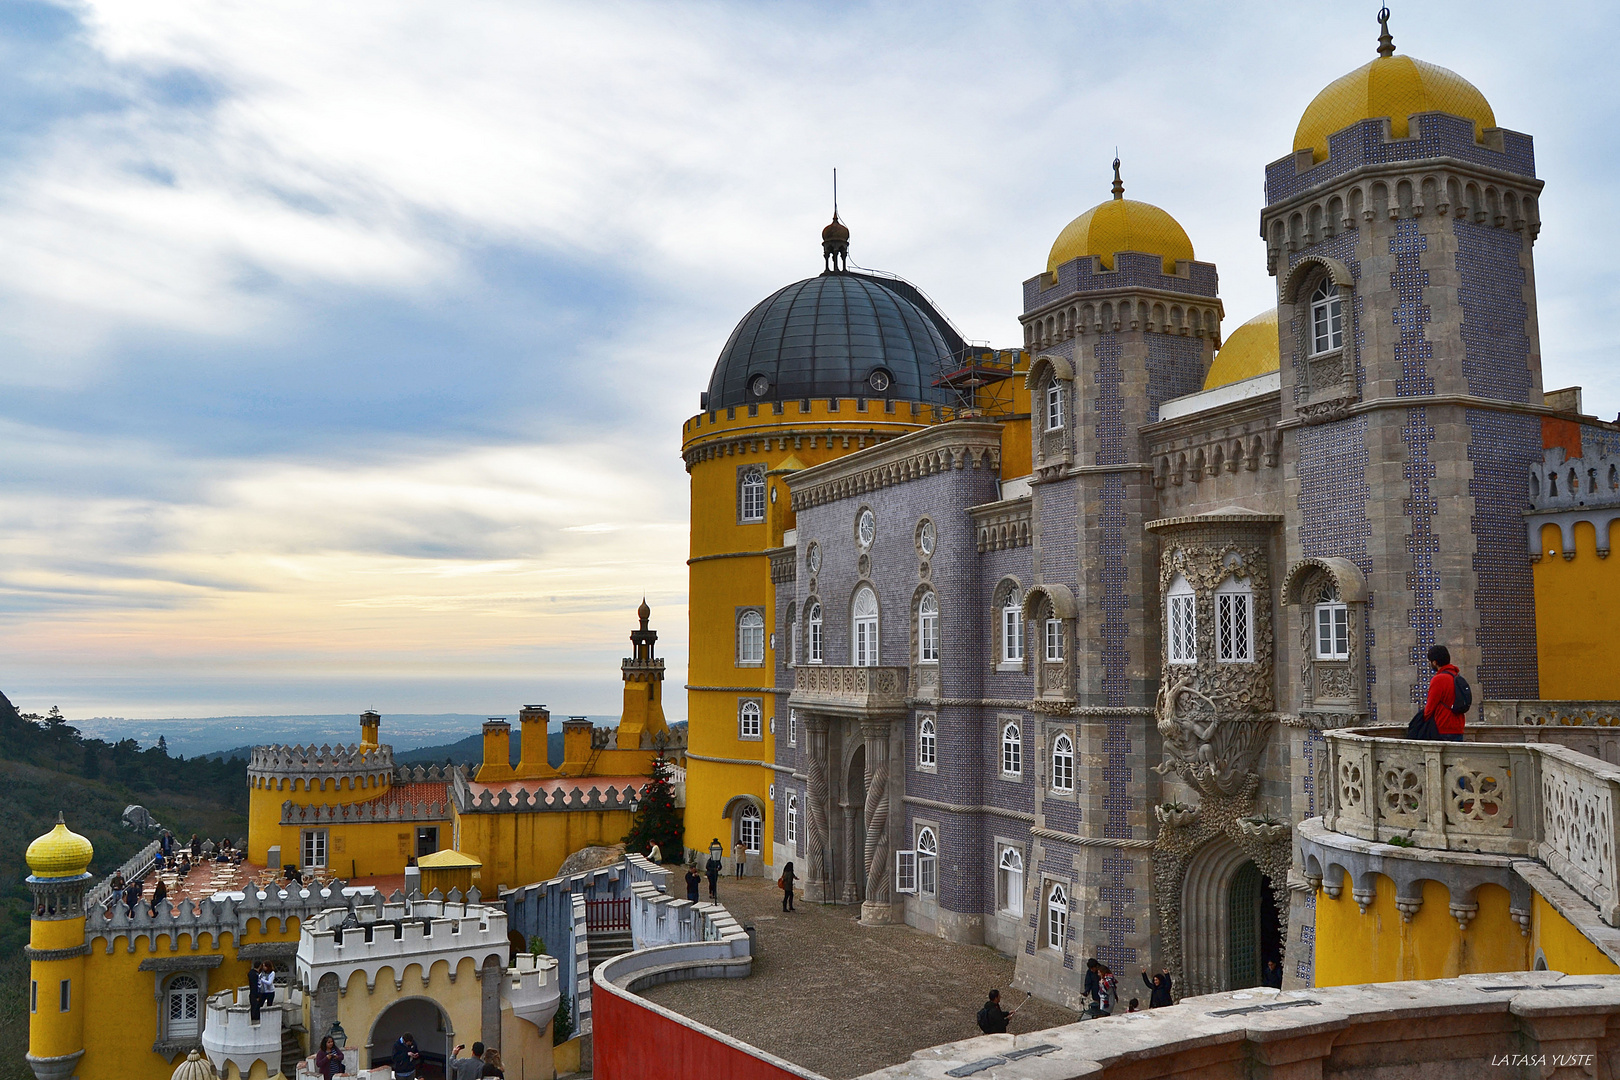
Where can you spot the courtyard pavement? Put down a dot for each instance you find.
(844, 999)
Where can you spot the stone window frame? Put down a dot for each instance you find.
(861, 543)
(793, 727)
(1044, 601)
(1181, 596)
(1053, 445)
(1011, 723)
(926, 538)
(875, 656)
(925, 594)
(1004, 845)
(750, 812)
(1328, 376)
(1302, 589)
(758, 717)
(320, 838)
(927, 739)
(746, 489)
(791, 818)
(791, 621)
(925, 857)
(815, 631)
(1051, 887)
(1001, 604)
(165, 969)
(1054, 735)
(1233, 603)
(740, 613)
(1331, 302)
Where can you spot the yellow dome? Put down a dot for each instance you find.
(1121, 225)
(1248, 351)
(1392, 86)
(60, 853)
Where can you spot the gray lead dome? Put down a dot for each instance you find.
(840, 334)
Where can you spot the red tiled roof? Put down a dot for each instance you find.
(401, 795)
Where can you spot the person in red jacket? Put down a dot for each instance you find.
(1442, 693)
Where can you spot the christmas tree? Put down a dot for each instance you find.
(656, 821)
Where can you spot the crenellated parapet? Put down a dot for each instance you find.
(398, 934)
(1567, 490)
(1083, 296)
(579, 796)
(320, 767)
(326, 814)
(211, 919)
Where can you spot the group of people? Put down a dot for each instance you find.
(1100, 994)
(407, 1060)
(130, 893)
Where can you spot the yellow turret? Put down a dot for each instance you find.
(59, 861)
(643, 715)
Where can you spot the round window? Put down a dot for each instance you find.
(759, 386)
(866, 528)
(926, 537)
(812, 559)
(879, 380)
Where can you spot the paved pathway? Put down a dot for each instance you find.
(844, 999)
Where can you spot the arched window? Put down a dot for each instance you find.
(183, 1012)
(1010, 881)
(1181, 633)
(1327, 318)
(793, 634)
(927, 862)
(1062, 764)
(793, 819)
(751, 494)
(864, 617)
(1012, 627)
(1054, 405)
(927, 743)
(750, 638)
(1012, 750)
(1057, 916)
(813, 620)
(793, 727)
(750, 829)
(748, 720)
(928, 629)
(1054, 641)
(1234, 622)
(1332, 626)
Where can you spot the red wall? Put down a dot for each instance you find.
(631, 1041)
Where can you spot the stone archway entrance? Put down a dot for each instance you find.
(854, 807)
(1253, 937)
(1206, 923)
(427, 1023)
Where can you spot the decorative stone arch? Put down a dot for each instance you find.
(1052, 678)
(1335, 685)
(1346, 575)
(735, 804)
(1205, 919)
(1009, 583)
(400, 1013)
(1307, 269)
(1059, 597)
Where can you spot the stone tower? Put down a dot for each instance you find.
(59, 864)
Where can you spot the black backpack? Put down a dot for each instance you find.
(989, 1022)
(1462, 695)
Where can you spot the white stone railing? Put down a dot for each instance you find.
(1578, 833)
(230, 1035)
(850, 689)
(397, 934)
(135, 866)
(1552, 713)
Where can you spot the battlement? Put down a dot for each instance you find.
(223, 913)
(377, 810)
(1132, 270)
(579, 796)
(231, 1035)
(532, 987)
(268, 766)
(398, 933)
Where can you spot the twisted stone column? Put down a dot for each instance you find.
(816, 833)
(852, 857)
(878, 856)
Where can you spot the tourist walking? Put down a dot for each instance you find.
(713, 868)
(1107, 990)
(328, 1059)
(785, 883)
(992, 1018)
(1449, 696)
(694, 882)
(132, 897)
(406, 1057)
(1091, 988)
(1158, 988)
(739, 855)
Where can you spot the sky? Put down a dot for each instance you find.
(344, 348)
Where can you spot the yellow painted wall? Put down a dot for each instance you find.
(1577, 618)
(264, 808)
(363, 849)
(462, 999)
(1563, 946)
(518, 849)
(1381, 947)
(52, 1032)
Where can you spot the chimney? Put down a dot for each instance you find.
(369, 722)
(497, 751)
(536, 724)
(576, 745)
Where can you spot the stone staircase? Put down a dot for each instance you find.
(292, 1049)
(606, 944)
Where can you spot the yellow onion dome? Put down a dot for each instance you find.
(1392, 86)
(1121, 224)
(60, 853)
(1248, 351)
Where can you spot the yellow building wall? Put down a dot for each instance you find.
(1577, 618)
(1381, 947)
(264, 809)
(1563, 946)
(519, 849)
(461, 999)
(52, 1032)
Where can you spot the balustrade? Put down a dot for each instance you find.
(850, 690)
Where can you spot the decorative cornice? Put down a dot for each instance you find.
(740, 761)
(1222, 518)
(740, 689)
(731, 442)
(1088, 841)
(959, 444)
(1001, 525)
(964, 808)
(194, 962)
(56, 954)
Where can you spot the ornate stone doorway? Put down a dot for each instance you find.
(1253, 938)
(1206, 915)
(854, 808)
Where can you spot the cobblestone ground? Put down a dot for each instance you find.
(844, 999)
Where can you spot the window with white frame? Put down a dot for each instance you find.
(793, 634)
(1012, 628)
(750, 829)
(793, 818)
(1054, 641)
(1327, 318)
(1054, 405)
(750, 639)
(1012, 750)
(865, 529)
(1057, 915)
(182, 1008)
(793, 727)
(748, 720)
(751, 494)
(1062, 763)
(928, 629)
(1234, 622)
(1181, 631)
(864, 620)
(905, 871)
(927, 861)
(813, 625)
(927, 743)
(1010, 881)
(314, 848)
(1332, 627)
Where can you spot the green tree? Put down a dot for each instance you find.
(656, 821)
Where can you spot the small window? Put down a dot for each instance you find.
(1012, 628)
(905, 871)
(1054, 405)
(1012, 750)
(65, 1000)
(751, 494)
(750, 829)
(793, 727)
(1010, 882)
(1057, 916)
(314, 849)
(928, 629)
(1234, 623)
(866, 528)
(865, 619)
(793, 634)
(183, 1014)
(793, 818)
(812, 559)
(927, 743)
(814, 624)
(1327, 319)
(1181, 632)
(427, 840)
(33, 995)
(748, 720)
(1062, 764)
(927, 862)
(1332, 630)
(750, 639)
(1054, 641)
(927, 537)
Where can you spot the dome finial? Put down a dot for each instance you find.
(1119, 185)
(835, 238)
(1386, 44)
(644, 613)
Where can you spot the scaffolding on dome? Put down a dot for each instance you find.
(983, 379)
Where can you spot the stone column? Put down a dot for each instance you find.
(817, 879)
(852, 857)
(877, 908)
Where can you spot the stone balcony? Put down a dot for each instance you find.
(850, 691)
(230, 1034)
